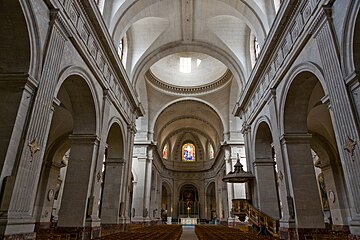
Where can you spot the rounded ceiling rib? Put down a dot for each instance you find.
(161, 115)
(206, 88)
(230, 60)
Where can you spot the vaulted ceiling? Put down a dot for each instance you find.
(215, 37)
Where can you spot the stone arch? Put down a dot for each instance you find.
(167, 200)
(248, 8)
(20, 65)
(313, 70)
(72, 129)
(116, 138)
(210, 201)
(351, 39)
(15, 37)
(76, 98)
(189, 194)
(112, 175)
(265, 185)
(161, 110)
(305, 113)
(255, 130)
(226, 57)
(87, 83)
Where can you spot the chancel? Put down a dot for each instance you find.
(124, 119)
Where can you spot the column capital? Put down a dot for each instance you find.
(246, 128)
(264, 162)
(114, 161)
(84, 138)
(132, 128)
(294, 138)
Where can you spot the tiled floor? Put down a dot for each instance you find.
(188, 233)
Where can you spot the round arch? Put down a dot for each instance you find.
(84, 75)
(308, 67)
(255, 130)
(150, 58)
(213, 108)
(247, 8)
(115, 121)
(351, 36)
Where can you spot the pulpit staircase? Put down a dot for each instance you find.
(242, 208)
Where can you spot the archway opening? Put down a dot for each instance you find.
(211, 214)
(189, 205)
(266, 186)
(306, 120)
(112, 177)
(70, 156)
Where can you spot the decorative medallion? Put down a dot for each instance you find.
(34, 147)
(332, 196)
(50, 195)
(349, 145)
(280, 176)
(99, 176)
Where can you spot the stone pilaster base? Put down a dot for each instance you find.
(24, 236)
(107, 229)
(80, 232)
(313, 233)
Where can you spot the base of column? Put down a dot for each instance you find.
(107, 229)
(22, 236)
(79, 232)
(145, 221)
(17, 229)
(312, 233)
(355, 227)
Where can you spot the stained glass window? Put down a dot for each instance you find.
(165, 151)
(188, 152)
(256, 48)
(121, 49)
(210, 151)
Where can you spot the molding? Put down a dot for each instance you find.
(206, 88)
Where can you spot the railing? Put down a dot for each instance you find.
(242, 208)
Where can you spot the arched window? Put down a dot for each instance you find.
(121, 49)
(165, 151)
(100, 4)
(277, 4)
(188, 152)
(256, 48)
(210, 151)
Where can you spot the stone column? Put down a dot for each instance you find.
(153, 202)
(77, 201)
(93, 219)
(141, 199)
(20, 213)
(158, 196)
(246, 130)
(110, 207)
(342, 114)
(266, 186)
(17, 91)
(302, 180)
(127, 171)
(287, 211)
(230, 186)
(148, 176)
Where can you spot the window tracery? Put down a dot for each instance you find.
(188, 152)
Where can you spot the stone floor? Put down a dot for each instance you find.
(188, 233)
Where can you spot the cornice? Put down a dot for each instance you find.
(210, 87)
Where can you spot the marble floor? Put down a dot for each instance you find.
(188, 233)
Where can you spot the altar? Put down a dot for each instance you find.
(188, 220)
